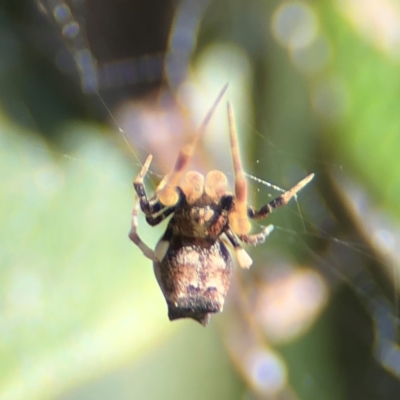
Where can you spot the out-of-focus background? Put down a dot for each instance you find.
(89, 88)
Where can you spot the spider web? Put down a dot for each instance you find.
(310, 230)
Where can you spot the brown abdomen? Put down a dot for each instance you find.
(194, 277)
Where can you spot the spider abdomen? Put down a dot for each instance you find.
(194, 276)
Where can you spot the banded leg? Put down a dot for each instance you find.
(153, 205)
(244, 260)
(280, 201)
(257, 238)
(134, 236)
(155, 219)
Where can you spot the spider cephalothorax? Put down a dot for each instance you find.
(191, 262)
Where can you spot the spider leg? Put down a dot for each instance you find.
(134, 236)
(244, 260)
(156, 218)
(153, 205)
(155, 212)
(167, 193)
(238, 217)
(257, 238)
(278, 201)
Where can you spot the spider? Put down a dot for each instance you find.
(191, 262)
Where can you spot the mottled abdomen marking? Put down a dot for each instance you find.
(194, 276)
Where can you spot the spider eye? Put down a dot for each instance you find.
(216, 184)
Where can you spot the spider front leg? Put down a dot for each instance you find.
(279, 201)
(153, 210)
(152, 206)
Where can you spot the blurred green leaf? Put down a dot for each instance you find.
(368, 134)
(77, 296)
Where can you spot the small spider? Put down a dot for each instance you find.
(191, 262)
